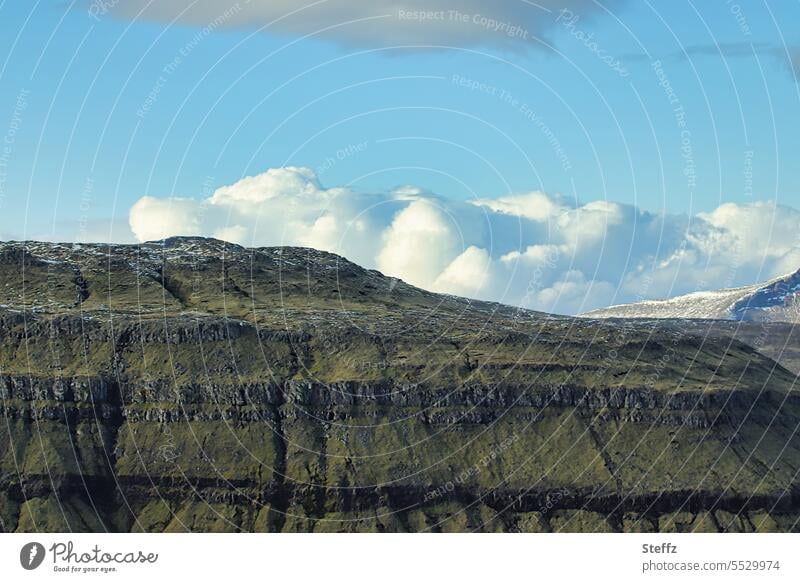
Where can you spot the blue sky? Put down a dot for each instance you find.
(101, 109)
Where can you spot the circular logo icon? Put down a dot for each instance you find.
(31, 555)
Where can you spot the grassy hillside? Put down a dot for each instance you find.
(197, 385)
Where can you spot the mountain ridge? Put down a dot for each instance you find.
(166, 387)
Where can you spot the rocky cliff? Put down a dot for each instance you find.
(195, 385)
(775, 300)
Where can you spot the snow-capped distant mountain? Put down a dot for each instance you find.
(774, 300)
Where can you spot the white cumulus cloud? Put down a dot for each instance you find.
(469, 274)
(418, 244)
(532, 249)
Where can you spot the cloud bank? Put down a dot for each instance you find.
(505, 23)
(532, 249)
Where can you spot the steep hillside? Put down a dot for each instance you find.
(777, 300)
(196, 385)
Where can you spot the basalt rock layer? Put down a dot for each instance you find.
(195, 385)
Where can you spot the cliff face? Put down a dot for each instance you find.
(194, 385)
